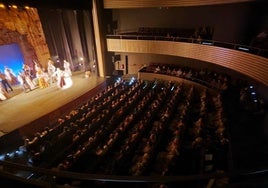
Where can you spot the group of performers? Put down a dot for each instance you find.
(36, 77)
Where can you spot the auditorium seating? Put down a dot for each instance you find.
(142, 128)
(205, 33)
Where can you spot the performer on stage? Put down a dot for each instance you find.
(41, 76)
(27, 71)
(68, 79)
(4, 82)
(60, 77)
(64, 80)
(66, 66)
(23, 82)
(10, 76)
(51, 71)
(3, 94)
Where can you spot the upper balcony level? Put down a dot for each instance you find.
(165, 3)
(249, 61)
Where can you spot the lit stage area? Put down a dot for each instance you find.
(41, 106)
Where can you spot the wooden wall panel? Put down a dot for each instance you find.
(113, 4)
(248, 64)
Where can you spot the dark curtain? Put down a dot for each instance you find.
(67, 29)
(69, 36)
(82, 32)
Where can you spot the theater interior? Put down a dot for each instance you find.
(164, 94)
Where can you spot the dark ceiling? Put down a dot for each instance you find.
(52, 4)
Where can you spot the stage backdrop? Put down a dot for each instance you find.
(11, 56)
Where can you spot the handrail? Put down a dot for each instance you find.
(247, 175)
(239, 47)
(108, 178)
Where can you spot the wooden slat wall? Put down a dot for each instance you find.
(114, 4)
(251, 65)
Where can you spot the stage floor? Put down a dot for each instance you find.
(22, 108)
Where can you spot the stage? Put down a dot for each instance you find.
(23, 109)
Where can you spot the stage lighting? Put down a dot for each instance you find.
(243, 48)
(14, 6)
(118, 80)
(7, 156)
(2, 5)
(145, 86)
(18, 152)
(2, 157)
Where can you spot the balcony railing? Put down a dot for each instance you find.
(50, 177)
(239, 47)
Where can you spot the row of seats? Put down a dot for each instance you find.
(223, 82)
(142, 128)
(206, 77)
(175, 32)
(202, 33)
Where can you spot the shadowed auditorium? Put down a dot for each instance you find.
(149, 93)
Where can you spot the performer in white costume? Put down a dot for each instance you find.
(67, 68)
(3, 94)
(51, 69)
(23, 82)
(64, 80)
(68, 80)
